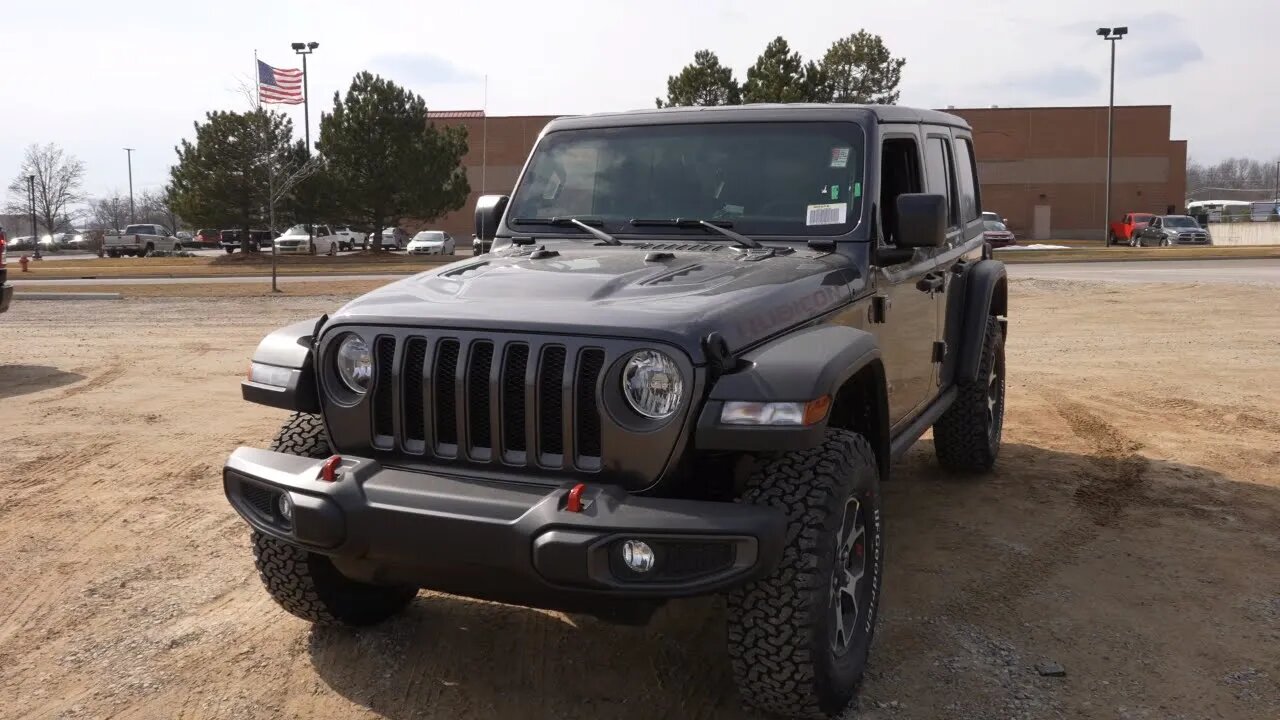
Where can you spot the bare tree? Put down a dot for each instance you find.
(110, 212)
(154, 207)
(58, 176)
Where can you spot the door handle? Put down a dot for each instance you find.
(931, 283)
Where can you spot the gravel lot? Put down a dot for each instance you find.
(1122, 562)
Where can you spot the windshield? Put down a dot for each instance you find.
(1180, 221)
(994, 226)
(296, 230)
(429, 236)
(767, 178)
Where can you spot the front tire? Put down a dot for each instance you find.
(799, 638)
(967, 436)
(308, 584)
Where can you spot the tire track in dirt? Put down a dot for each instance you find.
(1115, 481)
(102, 379)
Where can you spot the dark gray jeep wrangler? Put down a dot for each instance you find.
(699, 341)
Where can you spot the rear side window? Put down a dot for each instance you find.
(940, 171)
(968, 174)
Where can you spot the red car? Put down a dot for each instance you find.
(997, 234)
(208, 238)
(1125, 232)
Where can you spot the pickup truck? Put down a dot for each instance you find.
(139, 240)
(1125, 231)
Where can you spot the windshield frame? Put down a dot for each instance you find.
(853, 131)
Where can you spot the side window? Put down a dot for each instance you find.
(899, 174)
(942, 177)
(1128, 220)
(967, 172)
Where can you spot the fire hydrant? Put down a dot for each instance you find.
(23, 262)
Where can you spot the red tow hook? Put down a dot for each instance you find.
(574, 502)
(329, 471)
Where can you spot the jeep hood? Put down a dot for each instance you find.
(587, 290)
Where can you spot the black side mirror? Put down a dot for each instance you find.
(922, 220)
(489, 209)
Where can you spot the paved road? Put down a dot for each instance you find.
(1266, 272)
(45, 284)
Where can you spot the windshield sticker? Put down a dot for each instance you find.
(833, 214)
(553, 188)
(733, 210)
(839, 157)
(857, 190)
(835, 192)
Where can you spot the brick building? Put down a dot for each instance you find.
(1042, 168)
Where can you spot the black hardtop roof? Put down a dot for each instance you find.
(764, 112)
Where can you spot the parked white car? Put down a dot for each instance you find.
(294, 240)
(140, 240)
(351, 239)
(393, 238)
(431, 242)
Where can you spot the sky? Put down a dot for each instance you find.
(95, 77)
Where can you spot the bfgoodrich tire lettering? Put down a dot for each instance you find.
(305, 583)
(967, 436)
(782, 628)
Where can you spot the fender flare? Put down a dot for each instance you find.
(980, 292)
(290, 348)
(801, 367)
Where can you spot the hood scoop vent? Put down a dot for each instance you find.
(688, 275)
(685, 246)
(467, 271)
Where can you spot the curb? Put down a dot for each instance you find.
(66, 296)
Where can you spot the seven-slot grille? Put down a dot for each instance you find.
(488, 400)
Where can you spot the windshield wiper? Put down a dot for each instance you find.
(572, 221)
(720, 226)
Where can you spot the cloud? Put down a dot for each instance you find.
(417, 69)
(1056, 82)
(1166, 58)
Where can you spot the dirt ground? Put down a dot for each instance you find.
(1128, 534)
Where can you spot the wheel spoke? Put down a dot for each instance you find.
(837, 609)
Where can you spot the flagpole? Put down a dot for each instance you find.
(484, 141)
(257, 82)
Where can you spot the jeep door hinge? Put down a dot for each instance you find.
(939, 351)
(879, 308)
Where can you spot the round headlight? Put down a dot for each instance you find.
(355, 363)
(652, 385)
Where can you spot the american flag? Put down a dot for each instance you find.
(279, 86)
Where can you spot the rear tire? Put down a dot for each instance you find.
(799, 638)
(967, 436)
(308, 584)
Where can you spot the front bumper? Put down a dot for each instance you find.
(292, 249)
(426, 251)
(501, 541)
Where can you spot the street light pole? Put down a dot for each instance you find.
(129, 153)
(305, 49)
(1111, 35)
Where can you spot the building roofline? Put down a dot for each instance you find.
(1051, 107)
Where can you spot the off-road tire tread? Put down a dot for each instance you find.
(769, 620)
(961, 436)
(307, 584)
(303, 435)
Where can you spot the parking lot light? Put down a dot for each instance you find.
(1111, 35)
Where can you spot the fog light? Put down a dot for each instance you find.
(637, 555)
(286, 507)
